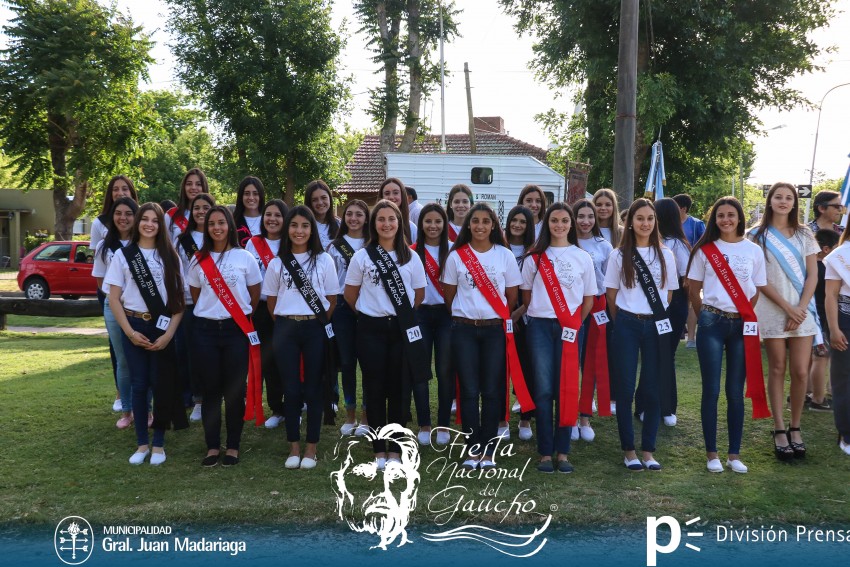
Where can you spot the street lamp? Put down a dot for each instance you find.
(815, 150)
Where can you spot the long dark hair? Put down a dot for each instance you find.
(545, 238)
(343, 228)
(528, 237)
(232, 241)
(767, 218)
(314, 243)
(459, 188)
(330, 217)
(404, 208)
(464, 237)
(183, 201)
(670, 221)
(281, 206)
(586, 204)
(113, 235)
(712, 231)
(193, 226)
(239, 209)
(443, 246)
(531, 188)
(170, 264)
(628, 246)
(402, 252)
(108, 201)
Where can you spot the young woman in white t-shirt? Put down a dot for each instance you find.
(837, 305)
(273, 215)
(147, 337)
(534, 199)
(721, 327)
(393, 190)
(573, 270)
(320, 201)
(120, 229)
(349, 238)
(635, 331)
(248, 212)
(457, 207)
(300, 336)
(379, 336)
(177, 219)
(478, 331)
(589, 239)
(521, 233)
(608, 216)
(220, 345)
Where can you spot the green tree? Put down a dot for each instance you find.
(704, 70)
(69, 104)
(267, 70)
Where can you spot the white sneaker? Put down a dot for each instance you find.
(714, 465)
(593, 406)
(574, 433)
(504, 432)
(587, 433)
(348, 428)
(139, 458)
(516, 407)
(424, 437)
(524, 433)
(737, 466)
(613, 408)
(273, 421)
(308, 463)
(361, 430)
(844, 447)
(670, 420)
(381, 463)
(293, 462)
(196, 413)
(443, 437)
(454, 406)
(116, 405)
(157, 458)
(470, 464)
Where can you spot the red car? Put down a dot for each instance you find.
(58, 268)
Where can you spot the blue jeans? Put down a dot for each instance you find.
(143, 375)
(479, 358)
(435, 323)
(295, 341)
(122, 370)
(345, 328)
(716, 334)
(635, 336)
(543, 337)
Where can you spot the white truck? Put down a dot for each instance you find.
(494, 179)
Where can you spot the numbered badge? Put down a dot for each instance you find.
(568, 335)
(163, 322)
(751, 329)
(329, 330)
(663, 326)
(601, 318)
(509, 326)
(253, 338)
(414, 334)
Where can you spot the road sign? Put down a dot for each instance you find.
(804, 191)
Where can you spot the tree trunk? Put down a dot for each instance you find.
(289, 189)
(389, 26)
(414, 65)
(59, 135)
(641, 147)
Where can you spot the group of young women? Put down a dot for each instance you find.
(197, 298)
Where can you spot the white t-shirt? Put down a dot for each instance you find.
(633, 299)
(574, 270)
(118, 274)
(173, 230)
(500, 266)
(340, 263)
(680, 253)
(432, 296)
(98, 233)
(606, 233)
(537, 228)
(239, 270)
(101, 266)
(456, 228)
(599, 250)
(413, 232)
(325, 235)
(278, 282)
(837, 265)
(517, 250)
(373, 300)
(274, 246)
(254, 224)
(185, 260)
(746, 260)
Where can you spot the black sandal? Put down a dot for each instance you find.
(798, 448)
(785, 453)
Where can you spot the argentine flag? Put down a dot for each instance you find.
(657, 179)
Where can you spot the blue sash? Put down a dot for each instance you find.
(792, 275)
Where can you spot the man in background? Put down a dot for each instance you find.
(414, 205)
(694, 229)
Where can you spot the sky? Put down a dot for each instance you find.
(503, 85)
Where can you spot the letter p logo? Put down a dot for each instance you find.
(652, 546)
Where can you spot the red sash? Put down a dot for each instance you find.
(752, 343)
(570, 325)
(262, 248)
(433, 271)
(596, 364)
(513, 370)
(452, 233)
(178, 219)
(254, 405)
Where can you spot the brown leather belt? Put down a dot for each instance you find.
(638, 316)
(138, 315)
(716, 311)
(477, 322)
(300, 317)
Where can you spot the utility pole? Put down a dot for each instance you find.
(626, 122)
(472, 148)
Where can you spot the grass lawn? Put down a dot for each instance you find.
(64, 322)
(62, 454)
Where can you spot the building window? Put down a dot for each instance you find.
(482, 175)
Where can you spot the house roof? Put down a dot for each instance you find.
(367, 165)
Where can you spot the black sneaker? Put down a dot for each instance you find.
(825, 406)
(546, 467)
